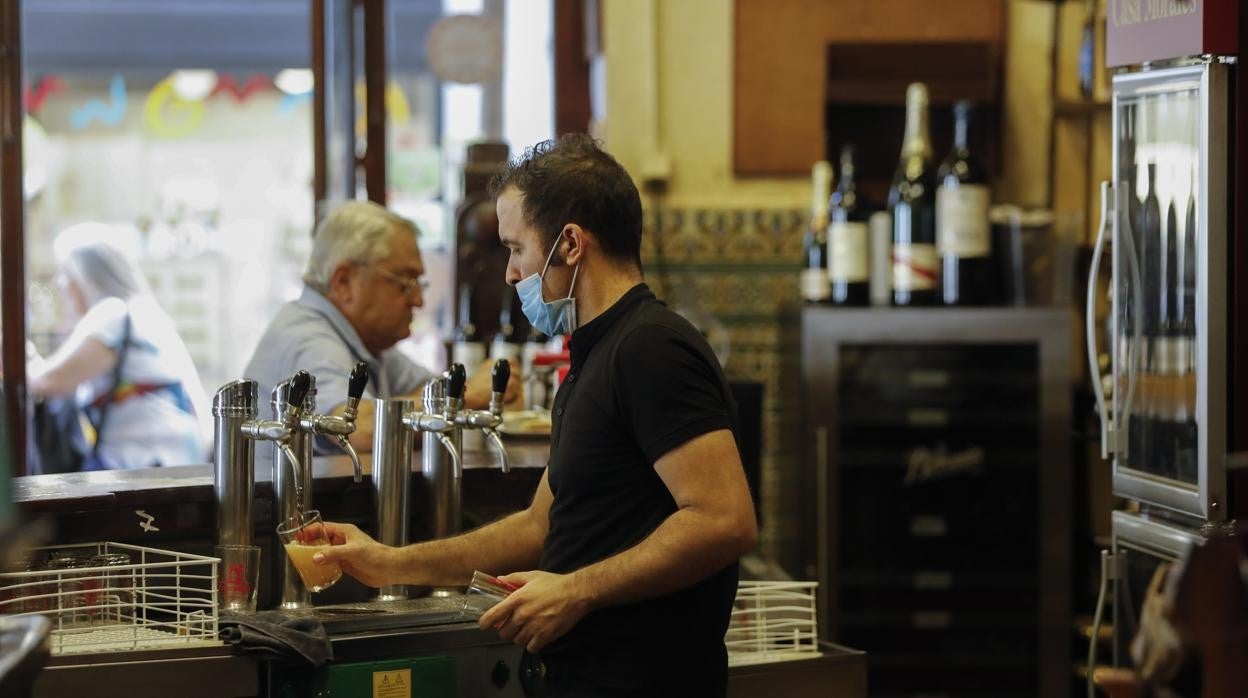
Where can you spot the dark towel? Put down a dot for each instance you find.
(279, 634)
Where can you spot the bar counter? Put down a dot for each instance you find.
(174, 508)
(149, 486)
(483, 667)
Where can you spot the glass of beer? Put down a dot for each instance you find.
(304, 536)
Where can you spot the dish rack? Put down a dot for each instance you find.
(159, 599)
(772, 622)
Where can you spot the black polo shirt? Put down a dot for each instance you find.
(642, 382)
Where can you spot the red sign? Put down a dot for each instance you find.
(1158, 30)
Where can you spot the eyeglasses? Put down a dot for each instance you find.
(407, 283)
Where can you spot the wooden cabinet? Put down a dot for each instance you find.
(797, 62)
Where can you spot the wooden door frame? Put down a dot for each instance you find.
(12, 242)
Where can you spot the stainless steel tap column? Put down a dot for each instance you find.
(292, 483)
(440, 458)
(233, 461)
(393, 443)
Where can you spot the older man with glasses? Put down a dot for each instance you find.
(363, 279)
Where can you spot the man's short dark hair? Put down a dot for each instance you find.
(573, 180)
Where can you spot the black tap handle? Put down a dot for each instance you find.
(458, 377)
(299, 384)
(357, 381)
(500, 375)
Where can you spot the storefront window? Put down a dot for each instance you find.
(181, 131)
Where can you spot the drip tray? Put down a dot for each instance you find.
(391, 615)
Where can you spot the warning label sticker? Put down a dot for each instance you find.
(392, 684)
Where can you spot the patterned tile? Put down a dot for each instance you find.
(740, 266)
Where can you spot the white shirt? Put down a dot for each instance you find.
(158, 412)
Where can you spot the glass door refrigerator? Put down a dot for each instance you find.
(1174, 336)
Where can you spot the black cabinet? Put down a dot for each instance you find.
(941, 515)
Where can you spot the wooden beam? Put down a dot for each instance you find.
(572, 108)
(375, 100)
(12, 239)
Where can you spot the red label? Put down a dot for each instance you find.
(235, 581)
(1158, 30)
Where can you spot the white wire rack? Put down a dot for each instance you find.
(772, 622)
(156, 599)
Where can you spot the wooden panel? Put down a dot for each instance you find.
(780, 75)
(572, 107)
(12, 279)
(1028, 100)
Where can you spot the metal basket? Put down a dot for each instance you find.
(157, 600)
(772, 622)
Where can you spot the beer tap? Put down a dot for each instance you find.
(339, 428)
(488, 421)
(442, 400)
(282, 431)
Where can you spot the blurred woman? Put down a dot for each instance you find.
(123, 362)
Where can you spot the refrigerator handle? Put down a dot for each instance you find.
(1094, 370)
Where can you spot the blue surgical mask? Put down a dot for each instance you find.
(554, 318)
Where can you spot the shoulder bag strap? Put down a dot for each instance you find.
(112, 390)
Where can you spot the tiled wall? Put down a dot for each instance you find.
(739, 268)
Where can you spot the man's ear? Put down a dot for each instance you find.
(340, 287)
(573, 240)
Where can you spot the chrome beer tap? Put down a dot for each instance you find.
(397, 423)
(441, 457)
(233, 461)
(488, 421)
(441, 448)
(340, 428)
(291, 400)
(440, 424)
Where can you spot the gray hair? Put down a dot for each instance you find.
(356, 231)
(102, 271)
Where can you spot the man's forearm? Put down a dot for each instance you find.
(511, 544)
(686, 548)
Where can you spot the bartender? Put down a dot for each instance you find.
(364, 277)
(625, 561)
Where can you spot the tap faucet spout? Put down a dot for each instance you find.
(345, 444)
(457, 465)
(295, 468)
(496, 443)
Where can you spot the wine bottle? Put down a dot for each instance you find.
(1169, 349)
(506, 342)
(1150, 253)
(1188, 430)
(847, 239)
(962, 222)
(467, 349)
(912, 203)
(1150, 256)
(816, 287)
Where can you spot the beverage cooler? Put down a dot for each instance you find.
(1169, 237)
(1167, 227)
